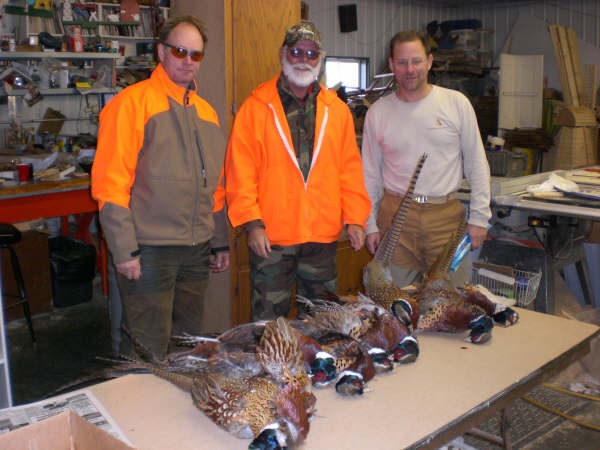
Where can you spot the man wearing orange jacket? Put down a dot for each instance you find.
(294, 179)
(157, 178)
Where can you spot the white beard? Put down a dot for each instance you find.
(300, 74)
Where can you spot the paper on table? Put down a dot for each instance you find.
(552, 182)
(84, 403)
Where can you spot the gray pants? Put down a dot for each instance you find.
(167, 299)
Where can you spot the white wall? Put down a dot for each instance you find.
(378, 20)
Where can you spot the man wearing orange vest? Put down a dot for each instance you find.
(294, 179)
(157, 178)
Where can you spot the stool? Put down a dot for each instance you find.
(11, 235)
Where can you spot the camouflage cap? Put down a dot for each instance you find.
(302, 31)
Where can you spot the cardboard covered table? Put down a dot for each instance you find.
(451, 387)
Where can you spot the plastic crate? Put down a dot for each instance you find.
(508, 282)
(506, 163)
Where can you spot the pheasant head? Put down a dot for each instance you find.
(350, 383)
(322, 368)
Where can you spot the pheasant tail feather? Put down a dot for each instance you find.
(388, 245)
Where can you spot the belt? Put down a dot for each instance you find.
(430, 199)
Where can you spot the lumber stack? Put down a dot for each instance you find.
(577, 142)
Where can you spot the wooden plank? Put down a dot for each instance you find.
(566, 59)
(560, 63)
(590, 146)
(576, 116)
(573, 47)
(590, 85)
(45, 187)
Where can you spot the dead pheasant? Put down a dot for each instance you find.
(379, 330)
(435, 304)
(365, 321)
(272, 408)
(245, 338)
(377, 276)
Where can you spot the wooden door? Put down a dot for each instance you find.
(257, 30)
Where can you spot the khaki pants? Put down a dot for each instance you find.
(426, 230)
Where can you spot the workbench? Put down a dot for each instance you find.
(510, 194)
(452, 387)
(33, 200)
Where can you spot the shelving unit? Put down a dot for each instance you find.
(141, 30)
(58, 91)
(98, 59)
(32, 21)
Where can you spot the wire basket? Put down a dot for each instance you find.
(507, 163)
(521, 286)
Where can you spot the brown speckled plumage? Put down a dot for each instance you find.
(280, 354)
(240, 406)
(243, 398)
(435, 304)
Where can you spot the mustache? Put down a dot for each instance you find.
(302, 66)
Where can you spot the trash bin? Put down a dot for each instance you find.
(72, 268)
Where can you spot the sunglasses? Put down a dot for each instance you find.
(299, 53)
(181, 52)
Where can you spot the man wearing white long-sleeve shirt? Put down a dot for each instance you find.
(422, 118)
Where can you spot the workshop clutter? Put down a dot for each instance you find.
(505, 163)
(69, 160)
(73, 267)
(461, 45)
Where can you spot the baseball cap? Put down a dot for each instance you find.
(300, 32)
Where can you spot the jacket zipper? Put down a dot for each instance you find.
(186, 104)
(199, 144)
(291, 152)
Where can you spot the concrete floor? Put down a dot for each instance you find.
(70, 339)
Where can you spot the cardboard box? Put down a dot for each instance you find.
(65, 431)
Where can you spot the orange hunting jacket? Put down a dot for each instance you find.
(157, 172)
(264, 181)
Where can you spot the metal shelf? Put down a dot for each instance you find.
(57, 55)
(68, 91)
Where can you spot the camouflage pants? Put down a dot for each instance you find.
(310, 265)
(167, 299)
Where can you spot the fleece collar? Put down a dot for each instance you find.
(159, 75)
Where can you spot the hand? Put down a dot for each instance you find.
(258, 241)
(356, 234)
(130, 269)
(372, 242)
(477, 234)
(219, 262)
